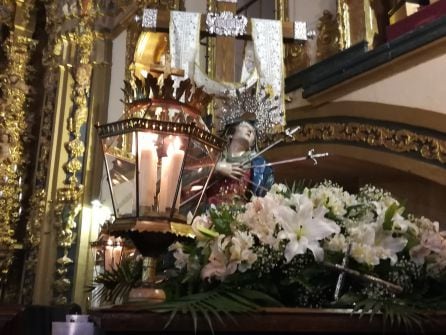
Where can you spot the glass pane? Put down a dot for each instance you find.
(199, 164)
(150, 151)
(171, 167)
(121, 167)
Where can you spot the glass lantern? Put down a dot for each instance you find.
(158, 161)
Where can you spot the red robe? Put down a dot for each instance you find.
(227, 190)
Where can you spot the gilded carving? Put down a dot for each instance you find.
(38, 198)
(396, 140)
(68, 200)
(343, 17)
(327, 37)
(38, 201)
(13, 130)
(7, 9)
(164, 4)
(362, 20)
(296, 57)
(282, 10)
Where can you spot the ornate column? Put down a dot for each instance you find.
(69, 196)
(14, 127)
(38, 201)
(57, 108)
(362, 20)
(64, 178)
(92, 164)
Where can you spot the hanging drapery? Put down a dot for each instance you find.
(268, 47)
(262, 66)
(184, 41)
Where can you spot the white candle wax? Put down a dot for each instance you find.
(164, 183)
(117, 252)
(175, 169)
(108, 256)
(148, 162)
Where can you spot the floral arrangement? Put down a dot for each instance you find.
(287, 244)
(313, 247)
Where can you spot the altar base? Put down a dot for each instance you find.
(128, 320)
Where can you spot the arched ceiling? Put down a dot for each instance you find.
(372, 110)
(421, 186)
(390, 164)
(408, 139)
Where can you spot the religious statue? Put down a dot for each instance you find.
(240, 173)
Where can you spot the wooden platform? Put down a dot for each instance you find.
(11, 319)
(269, 321)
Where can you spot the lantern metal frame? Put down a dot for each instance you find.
(135, 124)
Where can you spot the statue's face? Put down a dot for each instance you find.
(245, 132)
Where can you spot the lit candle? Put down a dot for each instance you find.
(164, 183)
(108, 255)
(170, 173)
(177, 157)
(148, 168)
(117, 253)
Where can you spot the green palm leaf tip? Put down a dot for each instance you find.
(116, 284)
(214, 304)
(395, 312)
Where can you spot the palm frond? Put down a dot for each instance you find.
(395, 312)
(116, 284)
(214, 304)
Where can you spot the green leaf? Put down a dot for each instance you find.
(222, 221)
(172, 316)
(388, 216)
(221, 300)
(117, 283)
(208, 232)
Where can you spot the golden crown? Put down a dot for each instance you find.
(139, 93)
(259, 107)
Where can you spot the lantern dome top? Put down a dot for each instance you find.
(141, 93)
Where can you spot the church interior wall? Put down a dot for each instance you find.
(412, 94)
(115, 105)
(310, 11)
(198, 6)
(419, 86)
(407, 91)
(420, 186)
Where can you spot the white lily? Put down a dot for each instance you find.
(304, 227)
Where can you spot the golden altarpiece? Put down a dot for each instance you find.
(56, 62)
(50, 162)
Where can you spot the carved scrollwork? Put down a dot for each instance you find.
(7, 9)
(226, 24)
(328, 36)
(162, 4)
(399, 140)
(13, 130)
(69, 197)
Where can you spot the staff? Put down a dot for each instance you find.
(288, 133)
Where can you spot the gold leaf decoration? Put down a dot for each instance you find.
(13, 126)
(69, 197)
(397, 140)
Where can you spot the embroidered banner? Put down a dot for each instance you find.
(268, 47)
(184, 41)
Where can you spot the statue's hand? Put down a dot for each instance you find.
(230, 170)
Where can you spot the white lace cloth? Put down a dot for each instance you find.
(268, 47)
(184, 41)
(268, 69)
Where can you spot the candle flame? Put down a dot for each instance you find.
(175, 145)
(147, 140)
